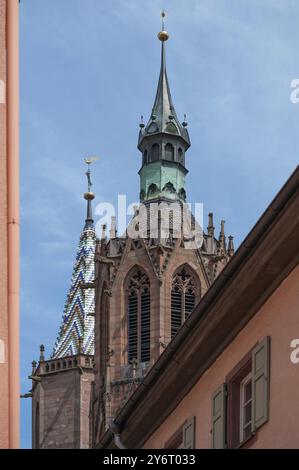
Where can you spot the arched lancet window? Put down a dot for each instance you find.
(138, 301)
(155, 152)
(169, 152)
(183, 295)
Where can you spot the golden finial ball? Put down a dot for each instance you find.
(89, 196)
(163, 35)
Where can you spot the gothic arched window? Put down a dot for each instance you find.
(169, 152)
(139, 324)
(155, 153)
(183, 295)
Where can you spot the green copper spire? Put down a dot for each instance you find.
(163, 143)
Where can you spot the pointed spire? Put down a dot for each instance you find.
(230, 248)
(222, 233)
(141, 124)
(34, 365)
(104, 236)
(163, 139)
(42, 353)
(211, 228)
(77, 328)
(113, 227)
(164, 118)
(222, 239)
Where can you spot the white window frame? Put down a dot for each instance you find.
(244, 382)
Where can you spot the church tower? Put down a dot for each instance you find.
(149, 279)
(61, 385)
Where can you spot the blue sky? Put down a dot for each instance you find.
(90, 68)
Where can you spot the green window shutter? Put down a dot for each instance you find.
(189, 434)
(260, 383)
(219, 418)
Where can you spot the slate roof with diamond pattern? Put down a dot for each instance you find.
(78, 319)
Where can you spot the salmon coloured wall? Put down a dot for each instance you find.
(279, 319)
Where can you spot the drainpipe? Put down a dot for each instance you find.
(12, 81)
(116, 436)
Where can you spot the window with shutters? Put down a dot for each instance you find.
(184, 437)
(239, 402)
(138, 305)
(183, 297)
(241, 405)
(176, 440)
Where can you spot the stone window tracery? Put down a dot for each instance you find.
(183, 295)
(138, 301)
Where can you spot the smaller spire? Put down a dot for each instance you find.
(113, 227)
(222, 240)
(185, 123)
(104, 227)
(34, 365)
(230, 248)
(42, 353)
(80, 347)
(141, 124)
(222, 233)
(211, 228)
(98, 246)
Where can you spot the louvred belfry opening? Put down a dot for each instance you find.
(139, 323)
(183, 296)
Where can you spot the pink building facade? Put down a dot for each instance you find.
(9, 224)
(277, 319)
